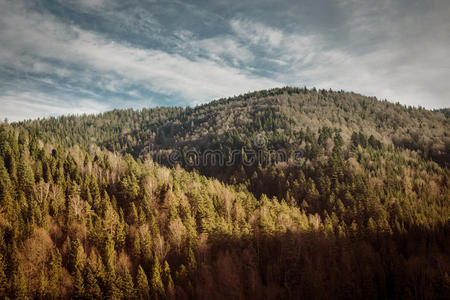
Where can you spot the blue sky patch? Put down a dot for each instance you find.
(89, 56)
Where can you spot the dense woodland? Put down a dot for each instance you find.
(87, 212)
(281, 114)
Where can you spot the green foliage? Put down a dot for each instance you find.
(91, 289)
(19, 288)
(78, 285)
(126, 285)
(157, 286)
(3, 279)
(168, 282)
(364, 214)
(142, 287)
(54, 274)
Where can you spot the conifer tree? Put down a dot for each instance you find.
(134, 218)
(168, 282)
(19, 288)
(126, 285)
(46, 171)
(142, 287)
(112, 290)
(137, 248)
(312, 195)
(121, 233)
(54, 276)
(3, 279)
(42, 290)
(109, 254)
(92, 289)
(98, 203)
(77, 262)
(191, 261)
(10, 162)
(100, 274)
(25, 177)
(78, 285)
(6, 200)
(157, 285)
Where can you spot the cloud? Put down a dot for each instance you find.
(223, 49)
(37, 105)
(163, 72)
(285, 49)
(88, 5)
(257, 33)
(399, 53)
(399, 56)
(117, 55)
(47, 46)
(91, 3)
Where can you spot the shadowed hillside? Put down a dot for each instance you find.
(88, 212)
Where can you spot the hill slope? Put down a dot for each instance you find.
(279, 113)
(362, 213)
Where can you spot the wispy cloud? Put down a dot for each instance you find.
(111, 54)
(399, 52)
(46, 45)
(37, 105)
(398, 57)
(223, 49)
(257, 33)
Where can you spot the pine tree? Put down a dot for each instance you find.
(112, 289)
(100, 274)
(121, 234)
(126, 285)
(157, 285)
(38, 171)
(78, 285)
(22, 139)
(137, 248)
(54, 286)
(338, 142)
(312, 195)
(76, 257)
(19, 285)
(134, 218)
(92, 289)
(6, 201)
(10, 162)
(25, 177)
(11, 256)
(191, 261)
(3, 279)
(109, 254)
(142, 287)
(42, 291)
(88, 195)
(98, 204)
(168, 282)
(142, 216)
(46, 171)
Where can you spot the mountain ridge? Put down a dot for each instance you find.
(411, 128)
(87, 210)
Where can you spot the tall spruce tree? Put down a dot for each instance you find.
(142, 287)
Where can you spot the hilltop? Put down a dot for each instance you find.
(281, 114)
(88, 209)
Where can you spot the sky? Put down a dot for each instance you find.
(89, 56)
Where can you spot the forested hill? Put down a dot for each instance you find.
(283, 115)
(86, 212)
